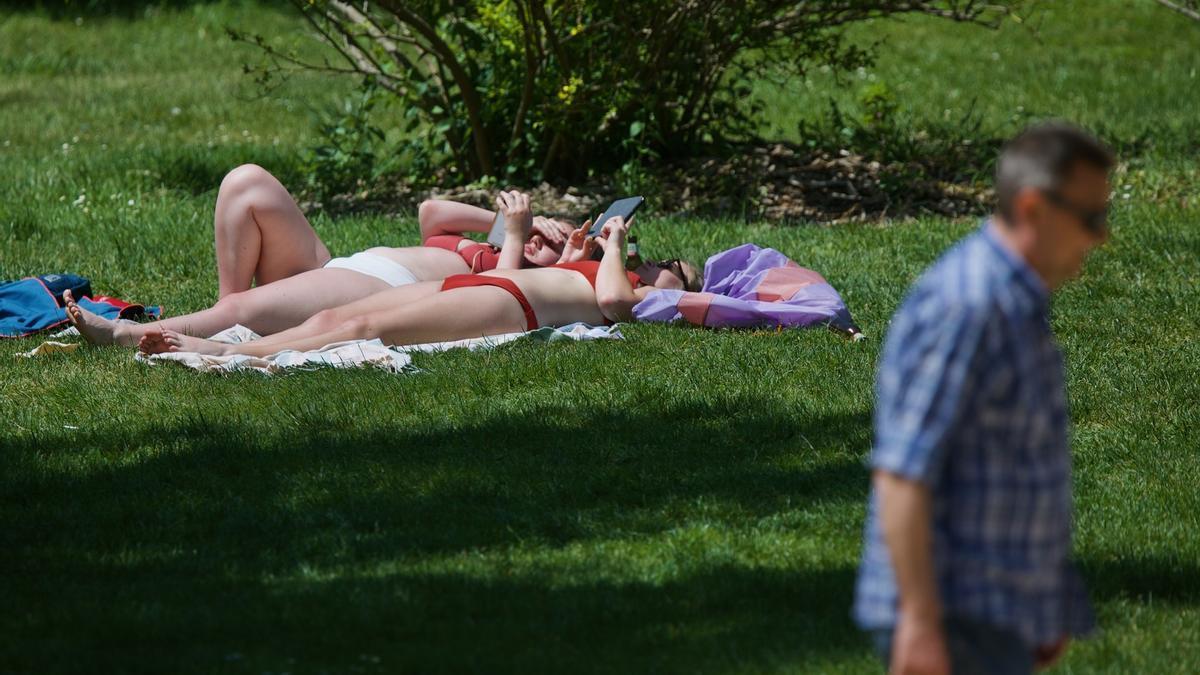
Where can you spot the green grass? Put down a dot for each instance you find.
(1119, 66)
(681, 501)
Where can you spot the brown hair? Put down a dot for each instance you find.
(696, 282)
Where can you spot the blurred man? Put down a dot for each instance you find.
(966, 568)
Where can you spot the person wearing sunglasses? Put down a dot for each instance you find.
(966, 566)
(577, 289)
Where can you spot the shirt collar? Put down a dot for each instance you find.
(1034, 288)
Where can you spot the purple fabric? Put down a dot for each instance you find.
(734, 277)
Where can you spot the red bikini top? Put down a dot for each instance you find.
(589, 268)
(479, 257)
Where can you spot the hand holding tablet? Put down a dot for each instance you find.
(622, 207)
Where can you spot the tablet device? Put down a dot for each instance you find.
(622, 207)
(496, 234)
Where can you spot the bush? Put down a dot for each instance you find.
(353, 152)
(528, 89)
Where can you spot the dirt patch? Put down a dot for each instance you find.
(777, 182)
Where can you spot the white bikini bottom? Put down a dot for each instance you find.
(372, 264)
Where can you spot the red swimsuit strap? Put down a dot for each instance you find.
(479, 257)
(590, 268)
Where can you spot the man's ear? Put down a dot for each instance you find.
(1028, 205)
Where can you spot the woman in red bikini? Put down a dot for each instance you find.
(262, 237)
(469, 306)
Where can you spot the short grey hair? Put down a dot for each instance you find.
(1043, 157)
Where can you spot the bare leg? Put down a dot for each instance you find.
(319, 322)
(264, 309)
(439, 317)
(261, 235)
(94, 328)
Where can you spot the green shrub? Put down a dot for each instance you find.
(353, 151)
(531, 89)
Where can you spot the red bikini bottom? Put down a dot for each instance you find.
(473, 280)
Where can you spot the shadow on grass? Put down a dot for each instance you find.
(323, 545)
(1144, 578)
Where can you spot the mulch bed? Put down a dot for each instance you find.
(775, 182)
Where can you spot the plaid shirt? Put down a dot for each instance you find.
(971, 403)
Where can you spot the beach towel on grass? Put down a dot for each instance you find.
(361, 353)
(34, 304)
(751, 286)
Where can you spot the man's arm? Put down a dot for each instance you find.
(919, 644)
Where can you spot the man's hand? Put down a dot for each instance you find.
(919, 647)
(555, 232)
(1047, 655)
(518, 219)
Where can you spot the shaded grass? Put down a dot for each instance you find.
(683, 501)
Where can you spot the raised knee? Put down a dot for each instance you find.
(245, 177)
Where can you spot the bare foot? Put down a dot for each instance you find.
(159, 341)
(153, 342)
(94, 328)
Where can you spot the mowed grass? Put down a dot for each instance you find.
(681, 501)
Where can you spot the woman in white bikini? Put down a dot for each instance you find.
(262, 238)
(474, 305)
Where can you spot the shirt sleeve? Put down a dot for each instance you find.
(927, 377)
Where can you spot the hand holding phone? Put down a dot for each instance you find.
(617, 233)
(622, 207)
(515, 207)
(512, 210)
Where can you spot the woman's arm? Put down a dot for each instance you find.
(440, 216)
(614, 293)
(518, 219)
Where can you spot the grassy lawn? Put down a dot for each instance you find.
(681, 501)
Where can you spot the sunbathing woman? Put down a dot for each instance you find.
(468, 306)
(261, 236)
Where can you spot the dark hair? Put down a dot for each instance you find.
(1043, 156)
(696, 283)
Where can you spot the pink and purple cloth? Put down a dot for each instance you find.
(750, 286)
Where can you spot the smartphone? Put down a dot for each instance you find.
(622, 207)
(496, 234)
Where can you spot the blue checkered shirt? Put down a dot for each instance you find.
(971, 403)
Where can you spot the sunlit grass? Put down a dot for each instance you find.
(680, 501)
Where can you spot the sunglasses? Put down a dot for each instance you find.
(1094, 220)
(674, 266)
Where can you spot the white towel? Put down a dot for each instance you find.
(360, 353)
(355, 354)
